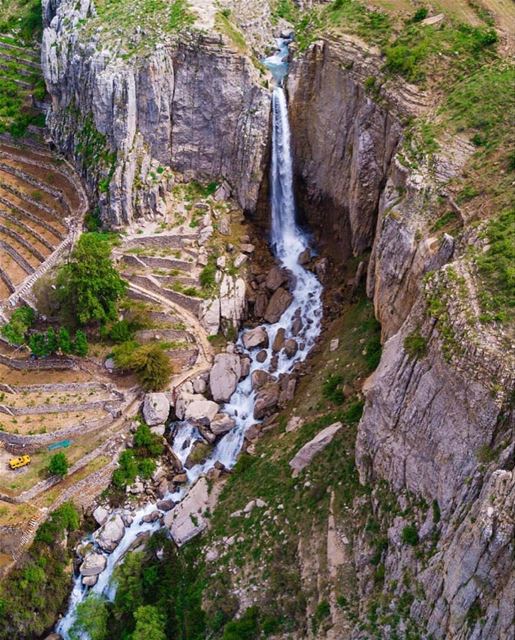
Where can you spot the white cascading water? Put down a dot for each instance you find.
(288, 242)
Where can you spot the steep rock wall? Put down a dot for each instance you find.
(438, 426)
(195, 105)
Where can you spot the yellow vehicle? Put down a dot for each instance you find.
(20, 461)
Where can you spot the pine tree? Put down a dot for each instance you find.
(80, 347)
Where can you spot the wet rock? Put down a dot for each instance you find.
(94, 563)
(100, 514)
(257, 337)
(245, 366)
(222, 424)
(262, 356)
(275, 278)
(306, 454)
(162, 488)
(206, 433)
(252, 433)
(180, 478)
(290, 347)
(296, 325)
(278, 342)
(198, 454)
(278, 304)
(154, 516)
(87, 581)
(266, 401)
(304, 257)
(165, 505)
(224, 376)
(260, 378)
(156, 409)
(110, 534)
(260, 305)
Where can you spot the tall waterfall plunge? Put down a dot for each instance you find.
(287, 241)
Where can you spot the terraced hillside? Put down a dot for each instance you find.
(41, 205)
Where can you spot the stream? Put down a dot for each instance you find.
(287, 241)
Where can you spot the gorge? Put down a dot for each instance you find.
(374, 492)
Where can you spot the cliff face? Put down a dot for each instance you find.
(195, 105)
(437, 424)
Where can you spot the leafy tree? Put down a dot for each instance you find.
(89, 286)
(80, 345)
(148, 361)
(21, 321)
(58, 465)
(65, 342)
(92, 618)
(52, 344)
(127, 470)
(150, 624)
(38, 345)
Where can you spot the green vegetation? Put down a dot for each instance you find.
(49, 343)
(496, 268)
(446, 220)
(38, 588)
(58, 465)
(140, 460)
(88, 285)
(465, 48)
(149, 362)
(409, 535)
(356, 17)
(415, 345)
(331, 389)
(22, 18)
(22, 319)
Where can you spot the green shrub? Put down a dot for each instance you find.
(58, 465)
(353, 413)
(409, 535)
(21, 321)
(415, 345)
(149, 362)
(420, 14)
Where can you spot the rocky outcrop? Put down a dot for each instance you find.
(141, 112)
(305, 455)
(156, 409)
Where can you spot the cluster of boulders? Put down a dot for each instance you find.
(269, 294)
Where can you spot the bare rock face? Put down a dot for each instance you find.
(266, 400)
(188, 519)
(100, 514)
(305, 455)
(278, 304)
(156, 409)
(201, 411)
(224, 376)
(143, 108)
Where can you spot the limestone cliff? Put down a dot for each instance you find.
(192, 103)
(437, 424)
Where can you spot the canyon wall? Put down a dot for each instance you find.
(192, 104)
(437, 425)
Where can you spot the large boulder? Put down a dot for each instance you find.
(201, 411)
(275, 278)
(290, 347)
(266, 400)
(110, 534)
(278, 304)
(156, 409)
(278, 342)
(257, 337)
(259, 378)
(198, 454)
(224, 376)
(306, 453)
(100, 515)
(187, 519)
(94, 563)
(222, 424)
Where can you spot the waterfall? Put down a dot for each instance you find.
(287, 241)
